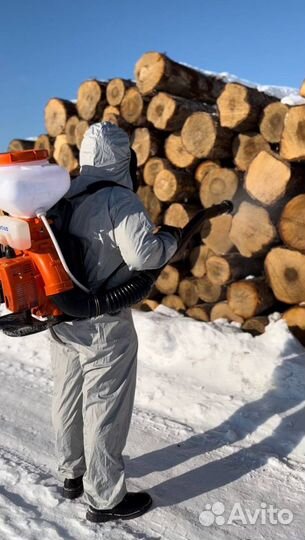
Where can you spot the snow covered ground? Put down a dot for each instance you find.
(217, 436)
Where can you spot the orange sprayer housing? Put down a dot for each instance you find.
(33, 275)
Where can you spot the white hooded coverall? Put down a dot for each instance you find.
(94, 360)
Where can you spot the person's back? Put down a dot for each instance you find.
(94, 360)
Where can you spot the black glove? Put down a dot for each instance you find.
(176, 232)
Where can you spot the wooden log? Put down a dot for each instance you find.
(203, 137)
(145, 144)
(17, 145)
(112, 114)
(272, 121)
(232, 267)
(173, 301)
(70, 127)
(178, 215)
(169, 279)
(146, 305)
(45, 142)
(174, 186)
(151, 203)
(133, 107)
(170, 112)
(152, 168)
(252, 230)
(155, 71)
(58, 142)
(249, 297)
(295, 319)
(256, 325)
(91, 100)
(219, 184)
(246, 147)
(200, 312)
(176, 152)
(293, 135)
(203, 168)
(285, 270)
(80, 131)
(215, 234)
(68, 158)
(116, 89)
(222, 310)
(198, 259)
(269, 178)
(302, 89)
(188, 291)
(291, 224)
(240, 107)
(56, 114)
(207, 291)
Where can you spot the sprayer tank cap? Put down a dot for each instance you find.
(25, 156)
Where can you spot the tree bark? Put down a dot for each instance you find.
(246, 147)
(155, 71)
(176, 152)
(272, 121)
(116, 89)
(256, 325)
(249, 297)
(174, 186)
(56, 113)
(240, 107)
(91, 100)
(285, 270)
(219, 184)
(203, 137)
(252, 230)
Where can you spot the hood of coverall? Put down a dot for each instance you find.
(104, 155)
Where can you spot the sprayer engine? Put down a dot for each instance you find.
(30, 270)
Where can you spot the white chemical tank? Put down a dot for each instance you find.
(29, 183)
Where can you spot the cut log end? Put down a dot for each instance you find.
(176, 152)
(285, 270)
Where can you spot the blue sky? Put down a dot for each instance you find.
(48, 48)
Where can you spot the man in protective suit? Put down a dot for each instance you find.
(94, 360)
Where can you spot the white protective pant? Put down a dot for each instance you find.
(94, 367)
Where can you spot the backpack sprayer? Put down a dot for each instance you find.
(36, 284)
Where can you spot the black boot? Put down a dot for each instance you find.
(73, 487)
(132, 506)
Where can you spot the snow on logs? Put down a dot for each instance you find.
(200, 140)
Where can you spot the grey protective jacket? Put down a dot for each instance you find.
(113, 223)
(94, 360)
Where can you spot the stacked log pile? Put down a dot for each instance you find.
(200, 140)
